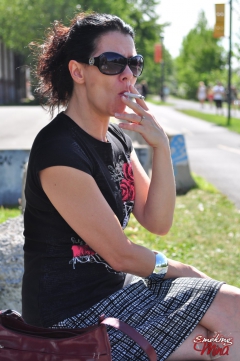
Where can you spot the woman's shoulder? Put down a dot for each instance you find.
(58, 144)
(54, 130)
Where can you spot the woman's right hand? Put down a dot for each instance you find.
(143, 122)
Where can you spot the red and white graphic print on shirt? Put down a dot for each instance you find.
(123, 174)
(82, 253)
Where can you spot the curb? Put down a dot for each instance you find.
(183, 179)
(12, 165)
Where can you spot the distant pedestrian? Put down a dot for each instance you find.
(234, 98)
(237, 100)
(202, 93)
(166, 92)
(210, 95)
(218, 97)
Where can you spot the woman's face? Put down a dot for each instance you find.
(104, 92)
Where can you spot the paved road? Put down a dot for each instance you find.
(19, 125)
(214, 152)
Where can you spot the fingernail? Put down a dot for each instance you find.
(117, 114)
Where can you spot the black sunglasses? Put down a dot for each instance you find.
(110, 63)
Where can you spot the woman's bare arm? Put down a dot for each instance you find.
(79, 201)
(155, 198)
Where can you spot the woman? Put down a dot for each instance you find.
(202, 93)
(210, 95)
(83, 181)
(218, 97)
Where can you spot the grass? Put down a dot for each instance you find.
(6, 213)
(219, 120)
(205, 232)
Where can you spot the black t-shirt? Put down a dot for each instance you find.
(62, 274)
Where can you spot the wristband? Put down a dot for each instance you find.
(161, 264)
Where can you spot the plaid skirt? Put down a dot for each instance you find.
(165, 312)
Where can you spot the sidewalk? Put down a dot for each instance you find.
(195, 105)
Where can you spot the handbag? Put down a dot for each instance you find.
(22, 342)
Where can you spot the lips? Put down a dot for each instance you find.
(122, 93)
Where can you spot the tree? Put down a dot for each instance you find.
(24, 21)
(201, 58)
(236, 69)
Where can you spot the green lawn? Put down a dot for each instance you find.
(219, 120)
(6, 213)
(205, 232)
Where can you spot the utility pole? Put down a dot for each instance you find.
(229, 65)
(162, 71)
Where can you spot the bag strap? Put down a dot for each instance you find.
(133, 334)
(114, 322)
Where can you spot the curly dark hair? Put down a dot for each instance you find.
(62, 44)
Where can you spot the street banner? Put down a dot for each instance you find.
(158, 53)
(220, 18)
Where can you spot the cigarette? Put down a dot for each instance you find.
(136, 96)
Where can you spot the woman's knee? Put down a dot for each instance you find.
(224, 312)
(228, 301)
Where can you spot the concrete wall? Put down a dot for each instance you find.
(11, 173)
(180, 162)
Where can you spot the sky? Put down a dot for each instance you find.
(183, 16)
